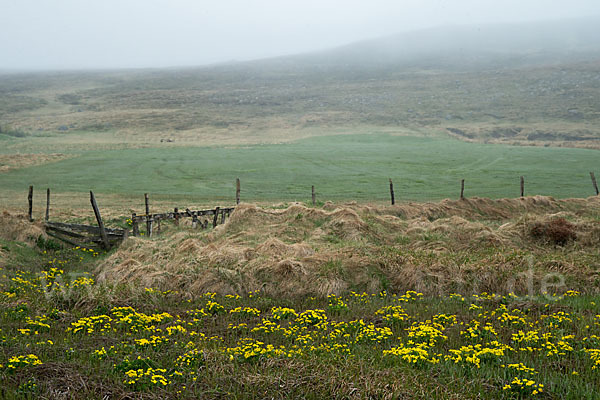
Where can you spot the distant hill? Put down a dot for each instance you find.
(527, 84)
(474, 46)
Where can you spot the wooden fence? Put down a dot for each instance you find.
(85, 235)
(108, 237)
(200, 218)
(104, 237)
(79, 234)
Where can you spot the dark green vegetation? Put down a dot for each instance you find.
(341, 167)
(7, 130)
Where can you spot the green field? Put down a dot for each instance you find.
(343, 167)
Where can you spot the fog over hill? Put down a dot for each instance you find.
(444, 47)
(468, 46)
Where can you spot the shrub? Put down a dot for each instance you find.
(10, 131)
(557, 231)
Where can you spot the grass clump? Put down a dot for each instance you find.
(557, 231)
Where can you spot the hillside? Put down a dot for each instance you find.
(519, 84)
(472, 47)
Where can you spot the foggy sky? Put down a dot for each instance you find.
(73, 34)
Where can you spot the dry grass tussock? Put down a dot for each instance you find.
(471, 245)
(15, 227)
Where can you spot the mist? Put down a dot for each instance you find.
(72, 34)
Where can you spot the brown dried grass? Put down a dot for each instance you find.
(14, 227)
(308, 251)
(63, 381)
(557, 231)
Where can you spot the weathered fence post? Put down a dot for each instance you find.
(30, 200)
(215, 218)
(194, 220)
(176, 215)
(99, 220)
(47, 204)
(522, 186)
(134, 224)
(222, 217)
(237, 190)
(392, 192)
(462, 189)
(148, 217)
(314, 196)
(594, 182)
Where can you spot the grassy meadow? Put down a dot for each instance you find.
(343, 300)
(343, 167)
(283, 126)
(63, 334)
(80, 323)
